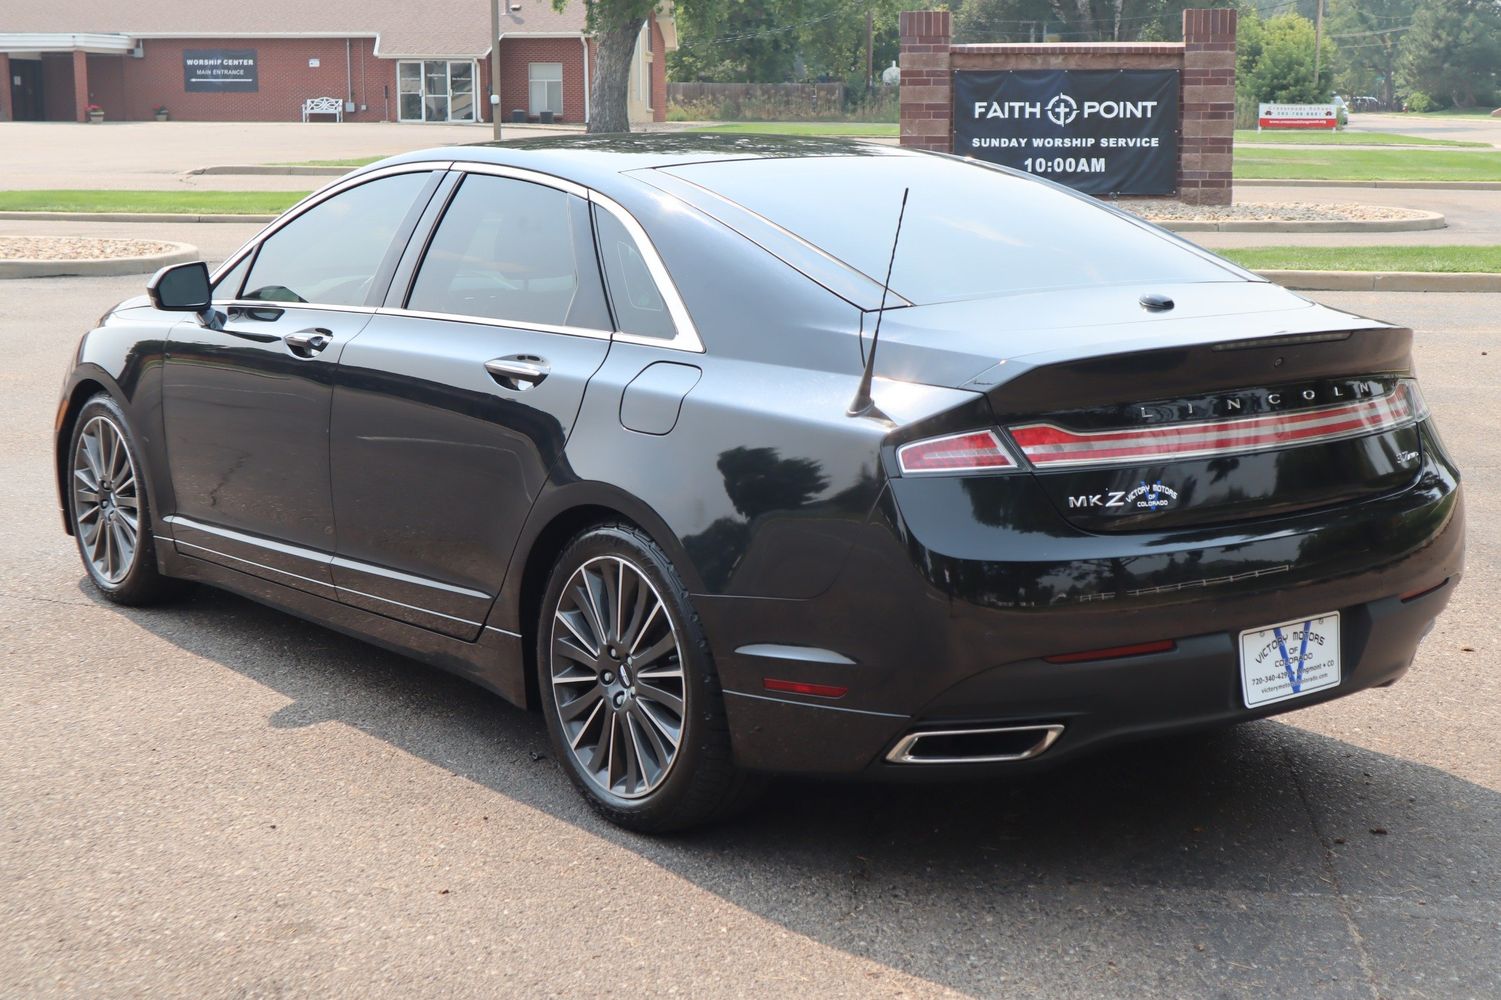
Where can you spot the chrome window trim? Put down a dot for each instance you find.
(318, 197)
(686, 337)
(521, 174)
(567, 331)
(274, 304)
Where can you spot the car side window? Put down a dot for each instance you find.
(513, 251)
(330, 253)
(640, 308)
(228, 287)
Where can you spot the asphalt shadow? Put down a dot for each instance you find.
(1261, 860)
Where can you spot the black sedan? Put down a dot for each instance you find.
(737, 457)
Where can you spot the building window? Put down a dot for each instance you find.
(435, 90)
(546, 87)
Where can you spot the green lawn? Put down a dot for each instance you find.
(1448, 258)
(1312, 137)
(174, 202)
(1367, 165)
(806, 128)
(358, 161)
(1453, 113)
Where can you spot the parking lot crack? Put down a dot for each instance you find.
(1331, 876)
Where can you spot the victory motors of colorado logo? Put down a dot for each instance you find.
(1153, 497)
(1062, 109)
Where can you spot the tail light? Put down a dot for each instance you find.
(972, 451)
(1048, 446)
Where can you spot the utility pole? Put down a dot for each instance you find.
(495, 67)
(870, 50)
(1318, 44)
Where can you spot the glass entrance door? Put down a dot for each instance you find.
(435, 90)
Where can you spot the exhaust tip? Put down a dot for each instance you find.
(977, 745)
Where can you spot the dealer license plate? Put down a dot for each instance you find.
(1290, 659)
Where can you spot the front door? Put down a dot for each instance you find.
(456, 401)
(246, 407)
(26, 90)
(435, 90)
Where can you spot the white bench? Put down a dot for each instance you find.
(323, 106)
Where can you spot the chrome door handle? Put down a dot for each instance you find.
(518, 372)
(306, 343)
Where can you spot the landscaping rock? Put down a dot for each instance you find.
(79, 248)
(1270, 211)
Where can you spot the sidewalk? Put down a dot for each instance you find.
(155, 156)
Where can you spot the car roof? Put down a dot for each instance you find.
(598, 161)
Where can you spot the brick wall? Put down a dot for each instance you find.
(1206, 59)
(1208, 144)
(129, 88)
(516, 55)
(658, 72)
(926, 95)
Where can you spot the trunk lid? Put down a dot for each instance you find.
(1243, 401)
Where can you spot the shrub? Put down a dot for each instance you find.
(1419, 102)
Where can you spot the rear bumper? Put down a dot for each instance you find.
(940, 642)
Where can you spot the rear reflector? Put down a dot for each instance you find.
(1115, 652)
(1048, 446)
(973, 451)
(799, 687)
(1413, 595)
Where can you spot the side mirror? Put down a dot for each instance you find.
(181, 288)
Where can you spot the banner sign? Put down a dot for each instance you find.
(1297, 116)
(1097, 131)
(220, 71)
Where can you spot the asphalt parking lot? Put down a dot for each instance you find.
(214, 799)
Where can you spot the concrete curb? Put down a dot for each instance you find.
(1427, 220)
(130, 217)
(272, 170)
(1422, 185)
(97, 267)
(1384, 281)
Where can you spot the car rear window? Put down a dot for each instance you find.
(969, 231)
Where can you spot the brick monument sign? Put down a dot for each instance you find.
(1114, 149)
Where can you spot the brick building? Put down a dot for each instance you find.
(260, 60)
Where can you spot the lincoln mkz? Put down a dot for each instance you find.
(736, 457)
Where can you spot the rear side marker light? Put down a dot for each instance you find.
(799, 687)
(973, 451)
(1048, 446)
(1413, 595)
(1114, 652)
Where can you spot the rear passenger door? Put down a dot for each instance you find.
(454, 403)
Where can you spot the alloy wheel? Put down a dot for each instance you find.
(106, 500)
(617, 677)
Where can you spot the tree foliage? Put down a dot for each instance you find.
(1453, 52)
(1074, 20)
(778, 41)
(1369, 36)
(1274, 61)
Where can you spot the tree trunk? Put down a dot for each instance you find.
(609, 108)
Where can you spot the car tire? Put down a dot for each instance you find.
(650, 751)
(110, 510)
